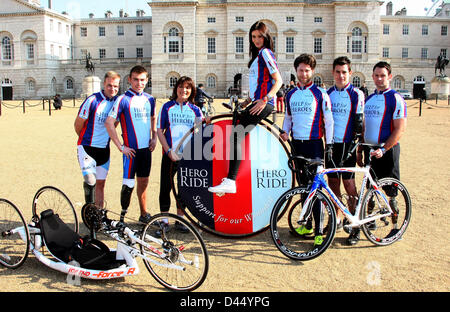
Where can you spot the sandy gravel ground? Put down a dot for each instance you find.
(38, 149)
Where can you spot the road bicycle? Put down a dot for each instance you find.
(178, 261)
(383, 212)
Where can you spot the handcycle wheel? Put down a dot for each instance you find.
(184, 249)
(14, 236)
(285, 230)
(49, 197)
(386, 230)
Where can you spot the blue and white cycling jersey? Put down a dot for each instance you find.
(345, 103)
(380, 110)
(176, 120)
(308, 113)
(260, 79)
(134, 111)
(95, 110)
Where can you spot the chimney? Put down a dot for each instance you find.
(50, 5)
(389, 9)
(121, 13)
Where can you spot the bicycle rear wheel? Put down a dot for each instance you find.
(386, 230)
(49, 197)
(14, 236)
(182, 248)
(311, 240)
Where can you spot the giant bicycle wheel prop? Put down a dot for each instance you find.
(263, 176)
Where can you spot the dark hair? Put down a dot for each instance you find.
(383, 64)
(342, 60)
(268, 41)
(138, 69)
(180, 82)
(307, 59)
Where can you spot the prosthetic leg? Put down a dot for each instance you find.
(125, 197)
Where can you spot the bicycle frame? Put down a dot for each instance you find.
(320, 183)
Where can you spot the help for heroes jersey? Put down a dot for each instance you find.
(95, 109)
(176, 120)
(134, 111)
(260, 79)
(345, 103)
(380, 110)
(308, 112)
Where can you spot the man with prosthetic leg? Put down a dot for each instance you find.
(93, 139)
(384, 124)
(136, 112)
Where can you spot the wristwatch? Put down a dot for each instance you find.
(122, 147)
(269, 97)
(383, 150)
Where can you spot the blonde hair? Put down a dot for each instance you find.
(112, 74)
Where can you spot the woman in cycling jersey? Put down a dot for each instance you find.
(264, 82)
(175, 119)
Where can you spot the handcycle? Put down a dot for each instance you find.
(383, 211)
(178, 261)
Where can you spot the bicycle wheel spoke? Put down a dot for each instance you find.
(49, 197)
(310, 238)
(14, 243)
(180, 258)
(387, 227)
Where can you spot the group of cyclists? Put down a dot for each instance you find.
(321, 123)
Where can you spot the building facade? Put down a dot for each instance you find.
(45, 51)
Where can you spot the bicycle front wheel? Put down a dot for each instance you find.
(388, 229)
(309, 239)
(176, 255)
(49, 197)
(14, 236)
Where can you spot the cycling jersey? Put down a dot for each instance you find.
(308, 110)
(380, 110)
(260, 79)
(95, 109)
(176, 120)
(134, 111)
(345, 104)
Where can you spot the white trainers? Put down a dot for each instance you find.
(227, 186)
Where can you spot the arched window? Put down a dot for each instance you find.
(30, 85)
(398, 83)
(357, 40)
(69, 84)
(211, 82)
(175, 41)
(53, 86)
(356, 81)
(6, 49)
(172, 81)
(317, 81)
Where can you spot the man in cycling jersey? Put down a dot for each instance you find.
(308, 109)
(384, 124)
(135, 110)
(347, 106)
(93, 139)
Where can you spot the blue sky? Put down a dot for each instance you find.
(82, 8)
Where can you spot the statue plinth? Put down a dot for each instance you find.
(440, 86)
(91, 84)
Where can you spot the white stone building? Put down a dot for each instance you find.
(44, 50)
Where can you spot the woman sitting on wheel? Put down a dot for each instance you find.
(264, 82)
